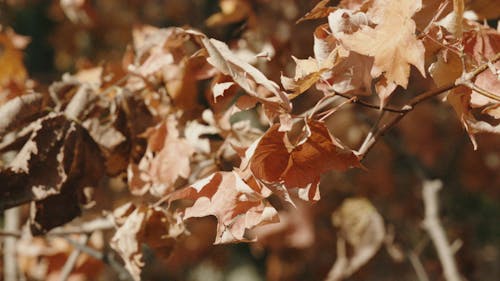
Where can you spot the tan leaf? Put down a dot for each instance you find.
(167, 158)
(363, 228)
(392, 42)
(237, 206)
(145, 225)
(245, 75)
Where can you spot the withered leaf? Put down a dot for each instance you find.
(321, 10)
(299, 166)
(166, 159)
(55, 167)
(18, 111)
(237, 206)
(245, 75)
(363, 228)
(392, 43)
(144, 225)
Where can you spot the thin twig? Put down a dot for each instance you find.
(10, 269)
(72, 259)
(418, 99)
(419, 268)
(481, 91)
(330, 111)
(83, 228)
(106, 257)
(368, 139)
(436, 231)
(369, 105)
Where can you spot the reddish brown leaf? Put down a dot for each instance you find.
(299, 166)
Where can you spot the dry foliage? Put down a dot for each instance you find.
(182, 126)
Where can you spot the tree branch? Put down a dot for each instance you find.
(435, 230)
(418, 99)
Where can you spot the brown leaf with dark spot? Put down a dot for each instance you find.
(54, 167)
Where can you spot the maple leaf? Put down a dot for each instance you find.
(144, 225)
(392, 42)
(237, 205)
(480, 44)
(274, 159)
(351, 71)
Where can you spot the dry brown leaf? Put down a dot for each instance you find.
(237, 206)
(167, 158)
(13, 74)
(321, 10)
(351, 73)
(55, 168)
(144, 225)
(18, 111)
(274, 159)
(245, 75)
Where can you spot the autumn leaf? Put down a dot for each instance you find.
(321, 10)
(249, 78)
(232, 11)
(13, 74)
(237, 206)
(138, 225)
(166, 159)
(362, 227)
(392, 42)
(54, 168)
(274, 159)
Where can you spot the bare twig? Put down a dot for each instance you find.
(72, 259)
(82, 228)
(369, 137)
(369, 105)
(436, 231)
(106, 257)
(418, 99)
(9, 252)
(419, 268)
(341, 262)
(480, 90)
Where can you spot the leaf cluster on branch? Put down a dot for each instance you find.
(197, 128)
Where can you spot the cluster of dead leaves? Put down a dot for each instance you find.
(222, 150)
